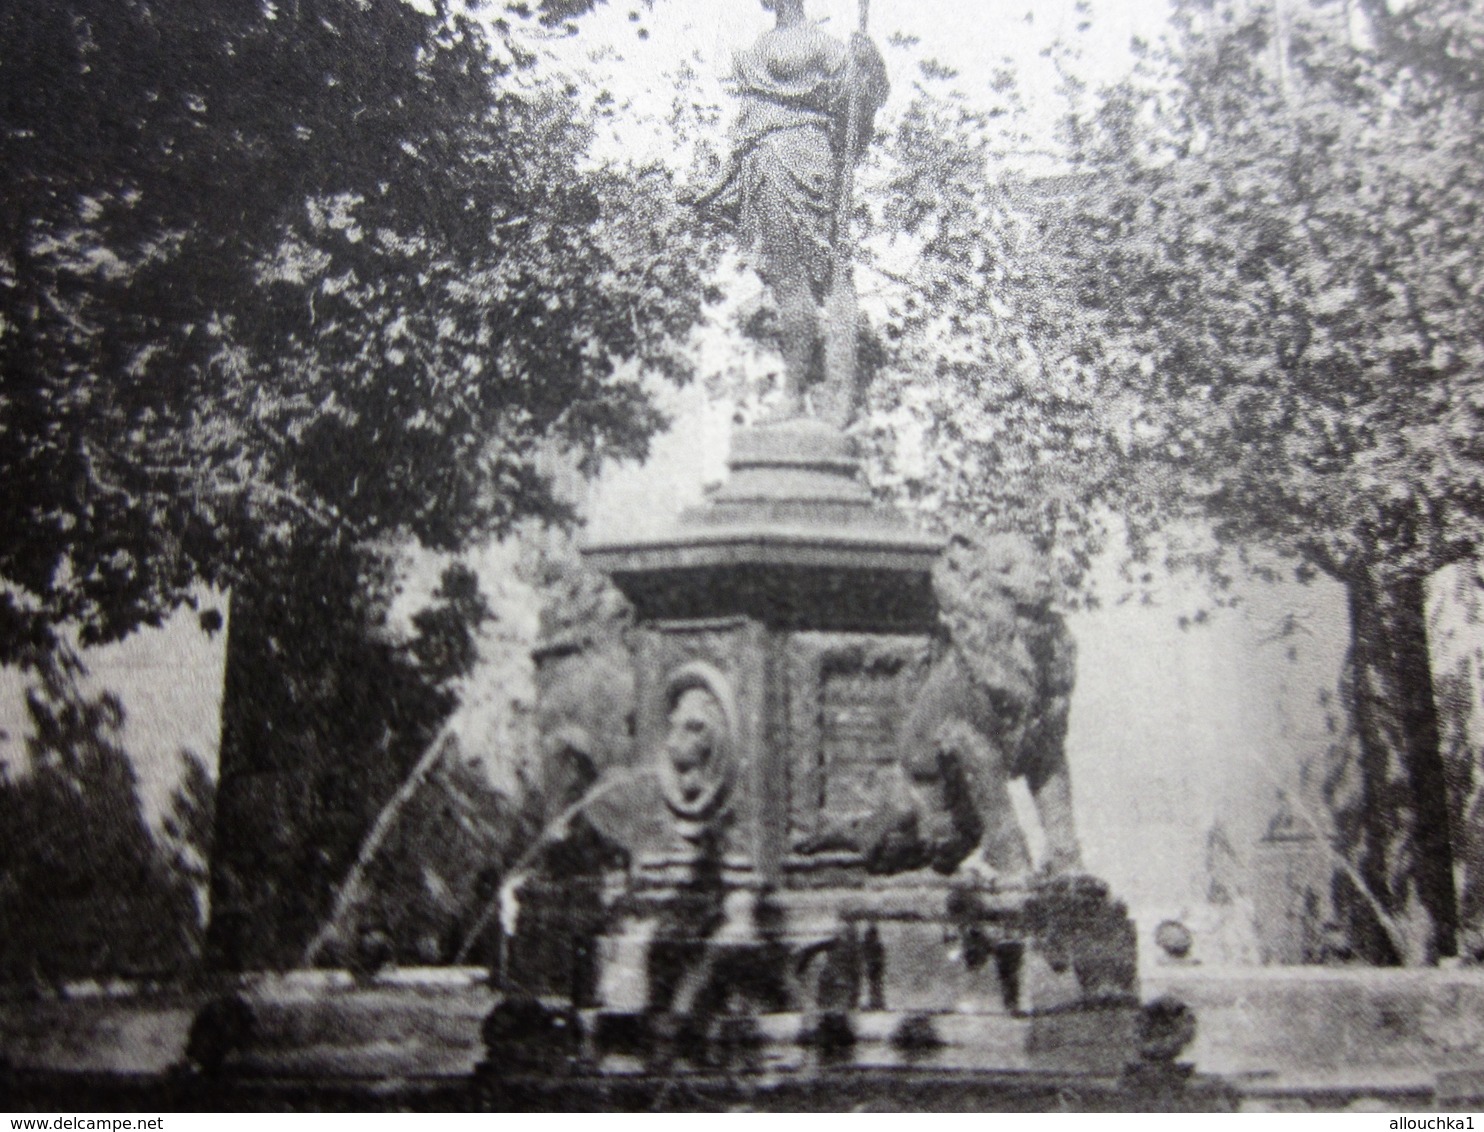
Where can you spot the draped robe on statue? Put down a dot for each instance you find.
(780, 188)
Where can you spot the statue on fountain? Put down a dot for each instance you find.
(798, 815)
(808, 106)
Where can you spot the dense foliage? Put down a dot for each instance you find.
(284, 285)
(1250, 308)
(309, 271)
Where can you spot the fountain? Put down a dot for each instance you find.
(821, 872)
(760, 904)
(794, 866)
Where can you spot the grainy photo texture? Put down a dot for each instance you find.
(813, 554)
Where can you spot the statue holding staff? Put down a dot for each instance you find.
(808, 107)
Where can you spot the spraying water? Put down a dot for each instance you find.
(507, 899)
(349, 892)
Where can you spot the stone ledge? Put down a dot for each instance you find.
(1284, 1029)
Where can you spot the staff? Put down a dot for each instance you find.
(841, 310)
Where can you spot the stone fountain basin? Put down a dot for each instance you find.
(1306, 1036)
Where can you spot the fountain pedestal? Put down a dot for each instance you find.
(784, 628)
(811, 608)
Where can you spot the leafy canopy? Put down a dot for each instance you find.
(302, 270)
(1248, 307)
(1249, 297)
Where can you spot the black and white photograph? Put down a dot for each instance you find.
(742, 556)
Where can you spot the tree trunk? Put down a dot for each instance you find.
(1397, 830)
(322, 719)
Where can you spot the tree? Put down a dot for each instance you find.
(439, 866)
(407, 753)
(1010, 434)
(317, 271)
(281, 286)
(1256, 310)
(326, 713)
(189, 826)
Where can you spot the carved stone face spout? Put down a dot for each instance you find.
(695, 727)
(696, 756)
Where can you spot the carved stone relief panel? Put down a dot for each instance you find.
(848, 695)
(718, 665)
